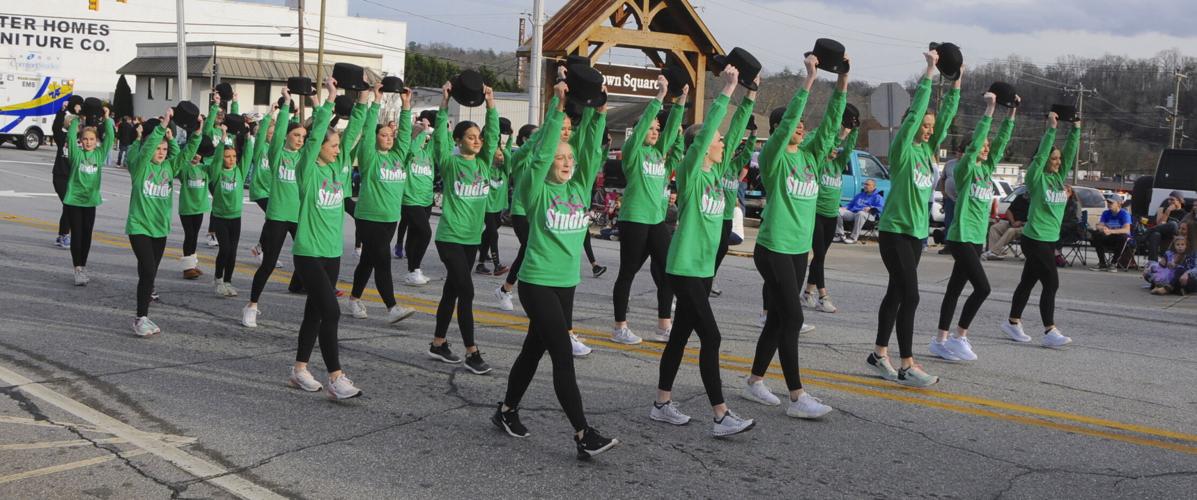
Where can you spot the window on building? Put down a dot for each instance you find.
(262, 93)
(149, 88)
(170, 89)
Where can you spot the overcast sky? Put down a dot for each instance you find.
(883, 37)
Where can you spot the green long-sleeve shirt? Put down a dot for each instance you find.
(83, 184)
(152, 195)
(383, 173)
(466, 181)
(911, 176)
(831, 174)
(974, 183)
(321, 218)
(1046, 189)
(259, 184)
(646, 196)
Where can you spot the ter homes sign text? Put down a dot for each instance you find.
(632, 81)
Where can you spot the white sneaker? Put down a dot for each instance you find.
(256, 252)
(624, 335)
(1055, 339)
(228, 289)
(399, 313)
(761, 318)
(357, 252)
(357, 309)
(342, 388)
(759, 392)
(825, 305)
(1015, 332)
(807, 406)
(806, 329)
(416, 278)
(883, 367)
(220, 289)
(212, 242)
(808, 300)
(580, 349)
(143, 327)
(303, 380)
(673, 305)
(937, 349)
(249, 317)
(660, 335)
(81, 277)
(850, 241)
(731, 424)
(961, 347)
(504, 299)
(667, 412)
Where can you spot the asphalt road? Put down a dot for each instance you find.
(203, 410)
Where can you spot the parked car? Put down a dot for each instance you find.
(862, 167)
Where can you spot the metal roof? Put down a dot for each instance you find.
(230, 68)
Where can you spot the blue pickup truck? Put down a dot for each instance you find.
(861, 167)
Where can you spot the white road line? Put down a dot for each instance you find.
(190, 463)
(45, 471)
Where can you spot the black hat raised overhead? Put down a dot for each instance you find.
(831, 56)
(225, 91)
(429, 115)
(742, 60)
(851, 116)
(775, 117)
(467, 88)
(751, 122)
(349, 76)
(234, 123)
(1066, 112)
(392, 84)
(187, 116)
(950, 60)
(92, 108)
(301, 85)
(343, 105)
(678, 78)
(1006, 95)
(74, 100)
(585, 86)
(505, 126)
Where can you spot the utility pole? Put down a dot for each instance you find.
(1081, 92)
(1176, 107)
(536, 63)
(181, 26)
(521, 69)
(299, 112)
(320, 55)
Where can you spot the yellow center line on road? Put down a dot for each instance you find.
(855, 384)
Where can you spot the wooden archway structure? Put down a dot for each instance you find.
(667, 31)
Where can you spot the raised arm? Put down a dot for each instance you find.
(540, 160)
(154, 139)
(587, 171)
(403, 138)
(671, 129)
(260, 142)
(901, 144)
(109, 134)
(210, 121)
(367, 151)
(997, 148)
(442, 148)
(280, 129)
(353, 131)
(1035, 168)
(633, 143)
(735, 131)
(321, 118)
(216, 161)
(1071, 147)
(490, 131)
(74, 152)
(697, 153)
(846, 147)
(825, 137)
(947, 113)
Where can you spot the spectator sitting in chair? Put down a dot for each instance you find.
(1167, 221)
(1007, 229)
(1111, 233)
(1070, 227)
(865, 204)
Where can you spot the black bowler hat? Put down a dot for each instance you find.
(206, 149)
(678, 78)
(775, 116)
(1066, 112)
(573, 110)
(428, 114)
(1005, 94)
(751, 122)
(301, 85)
(831, 56)
(574, 59)
(950, 60)
(225, 91)
(74, 100)
(234, 123)
(851, 116)
(505, 126)
(92, 108)
(467, 88)
(187, 116)
(742, 60)
(585, 86)
(343, 105)
(148, 126)
(349, 76)
(283, 100)
(392, 84)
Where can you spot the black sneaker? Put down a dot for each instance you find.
(509, 422)
(715, 292)
(598, 270)
(442, 353)
(592, 443)
(481, 269)
(473, 361)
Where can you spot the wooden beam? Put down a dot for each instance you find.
(648, 16)
(700, 87)
(655, 57)
(643, 39)
(600, 50)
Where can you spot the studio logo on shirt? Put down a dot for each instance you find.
(265, 166)
(228, 186)
(197, 184)
(471, 185)
(922, 176)
(88, 169)
(801, 184)
(980, 191)
(730, 183)
(421, 169)
(713, 201)
(286, 172)
(496, 183)
(1055, 196)
(157, 185)
(391, 172)
(654, 168)
(566, 215)
(831, 181)
(330, 195)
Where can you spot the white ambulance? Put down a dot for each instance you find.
(28, 103)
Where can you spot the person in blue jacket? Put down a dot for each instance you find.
(865, 204)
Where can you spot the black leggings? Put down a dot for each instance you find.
(263, 203)
(966, 269)
(901, 254)
(520, 224)
(376, 242)
(490, 239)
(60, 188)
(321, 311)
(273, 234)
(548, 330)
(638, 242)
(1040, 266)
(723, 244)
(228, 234)
(589, 249)
(414, 224)
(81, 221)
(693, 315)
(783, 275)
(824, 233)
(191, 228)
(149, 254)
(458, 291)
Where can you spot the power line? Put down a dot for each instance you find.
(467, 28)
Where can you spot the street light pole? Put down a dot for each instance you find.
(1176, 107)
(299, 112)
(536, 63)
(320, 56)
(181, 26)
